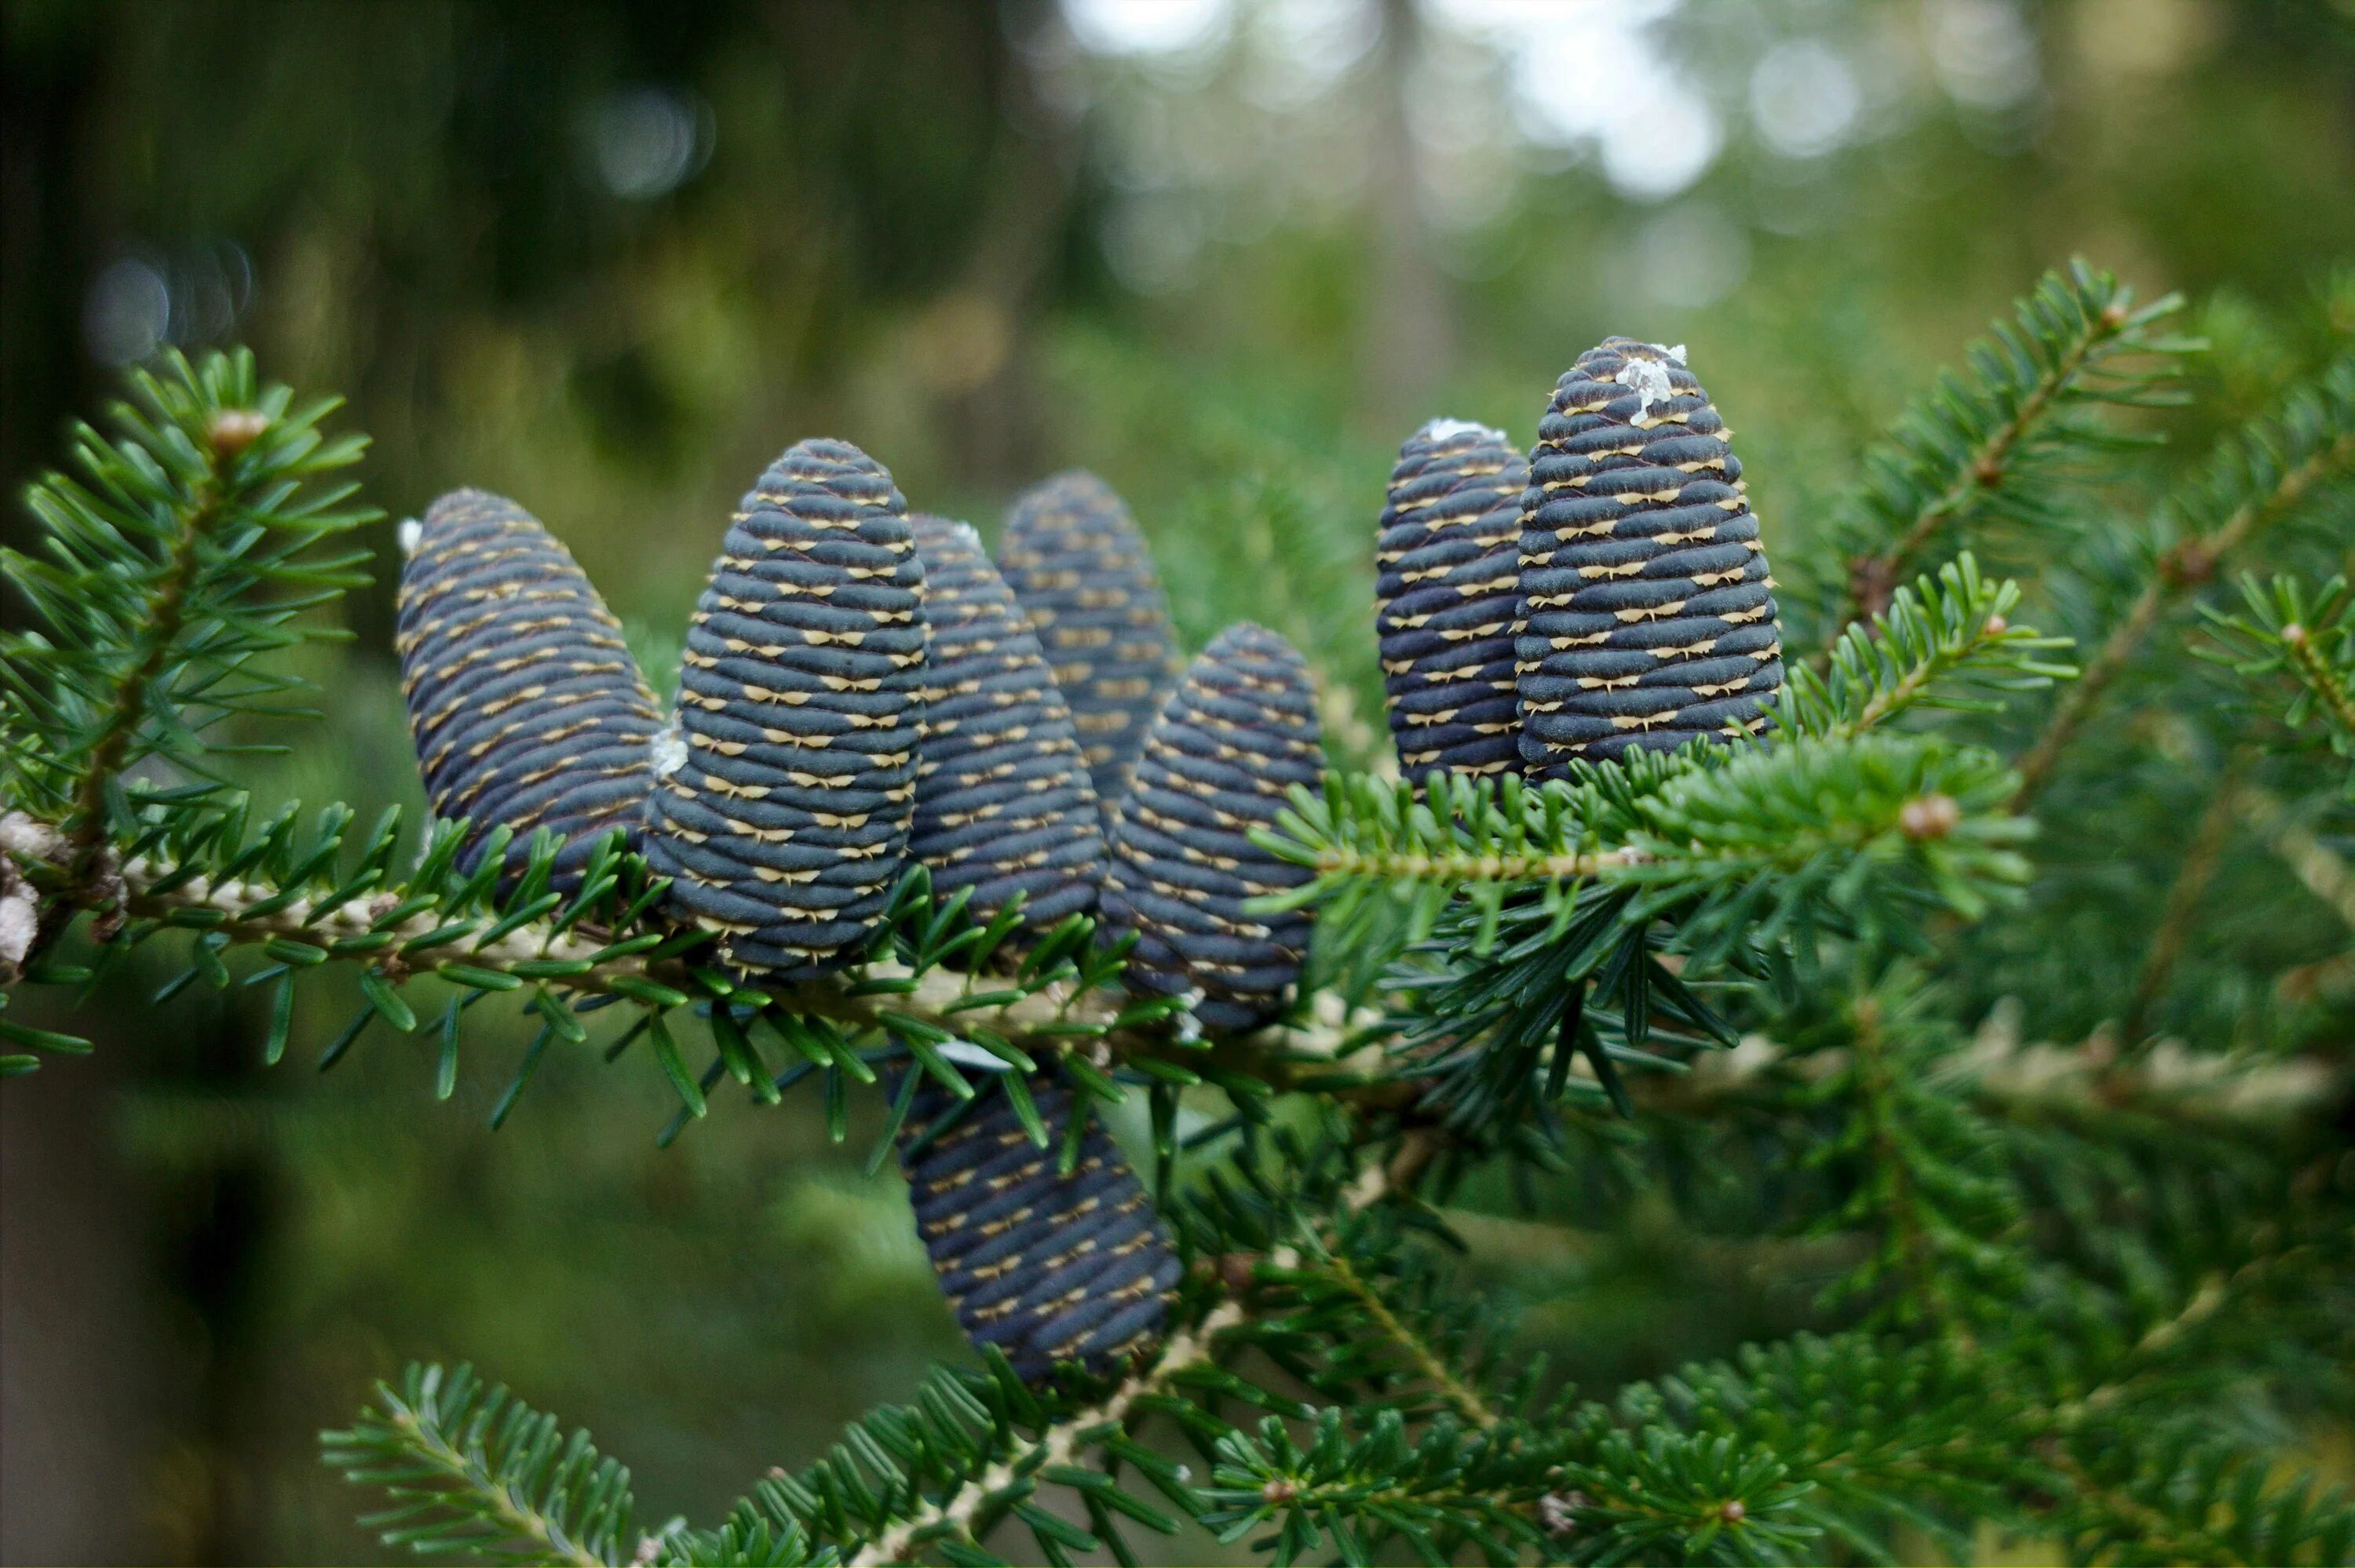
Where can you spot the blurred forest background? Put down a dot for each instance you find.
(609, 259)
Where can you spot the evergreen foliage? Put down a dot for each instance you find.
(2083, 1295)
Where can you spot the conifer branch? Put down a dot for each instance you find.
(1901, 1205)
(954, 1515)
(2191, 879)
(2309, 636)
(2260, 476)
(2329, 685)
(1680, 830)
(162, 618)
(2312, 861)
(189, 546)
(599, 946)
(1460, 1396)
(1421, 1354)
(1533, 947)
(471, 1469)
(2075, 344)
(1935, 644)
(1915, 1169)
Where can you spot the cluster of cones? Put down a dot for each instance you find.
(864, 689)
(1607, 592)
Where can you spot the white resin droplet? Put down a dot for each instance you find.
(1648, 379)
(669, 751)
(1442, 429)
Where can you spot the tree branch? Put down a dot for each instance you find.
(1428, 1364)
(521, 1522)
(1871, 578)
(1899, 1207)
(1059, 1444)
(2200, 863)
(2183, 567)
(85, 821)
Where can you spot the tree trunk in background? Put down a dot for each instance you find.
(84, 1382)
(48, 245)
(1407, 324)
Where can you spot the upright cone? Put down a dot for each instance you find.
(1239, 731)
(1003, 802)
(1084, 576)
(1643, 582)
(524, 703)
(785, 794)
(1448, 598)
(1047, 1267)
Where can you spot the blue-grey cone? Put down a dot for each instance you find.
(1084, 576)
(524, 703)
(1004, 805)
(1237, 734)
(1447, 596)
(1645, 589)
(785, 789)
(1047, 1267)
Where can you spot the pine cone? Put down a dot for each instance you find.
(785, 796)
(524, 703)
(1003, 802)
(1642, 577)
(1084, 576)
(1046, 1266)
(1448, 598)
(1238, 732)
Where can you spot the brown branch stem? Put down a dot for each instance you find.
(1873, 578)
(85, 821)
(2199, 869)
(2183, 567)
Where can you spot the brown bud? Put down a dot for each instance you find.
(1929, 817)
(1732, 1511)
(1997, 626)
(234, 430)
(2294, 634)
(2188, 565)
(2114, 314)
(1235, 1270)
(1278, 1492)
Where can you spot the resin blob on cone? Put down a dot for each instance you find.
(784, 797)
(1003, 802)
(524, 703)
(1239, 731)
(1085, 578)
(1645, 589)
(1448, 598)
